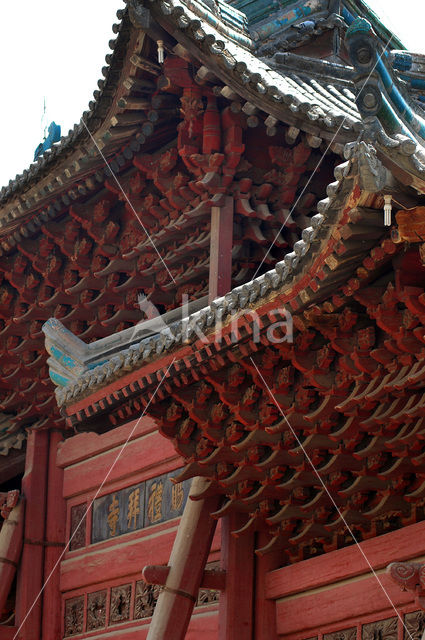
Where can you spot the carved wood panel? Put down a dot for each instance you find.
(207, 596)
(145, 599)
(415, 625)
(74, 615)
(96, 610)
(120, 603)
(380, 630)
(77, 533)
(346, 634)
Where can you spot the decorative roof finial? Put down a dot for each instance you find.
(54, 134)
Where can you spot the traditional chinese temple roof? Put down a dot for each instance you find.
(78, 249)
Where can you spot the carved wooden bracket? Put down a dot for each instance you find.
(411, 224)
(410, 576)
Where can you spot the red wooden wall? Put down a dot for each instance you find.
(330, 597)
(87, 459)
(336, 596)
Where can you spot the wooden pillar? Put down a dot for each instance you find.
(187, 563)
(11, 535)
(30, 575)
(194, 536)
(221, 245)
(55, 542)
(237, 600)
(265, 610)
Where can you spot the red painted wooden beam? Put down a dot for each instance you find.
(158, 574)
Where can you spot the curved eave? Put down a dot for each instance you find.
(306, 276)
(406, 168)
(217, 47)
(251, 78)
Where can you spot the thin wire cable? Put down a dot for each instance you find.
(128, 200)
(319, 477)
(118, 456)
(317, 166)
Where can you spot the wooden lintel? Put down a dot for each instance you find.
(157, 574)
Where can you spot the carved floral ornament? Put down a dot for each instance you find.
(410, 576)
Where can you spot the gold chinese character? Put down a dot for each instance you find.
(133, 507)
(155, 502)
(177, 496)
(113, 515)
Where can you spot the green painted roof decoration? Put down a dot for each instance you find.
(381, 98)
(352, 9)
(268, 19)
(287, 11)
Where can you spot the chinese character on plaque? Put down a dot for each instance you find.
(155, 501)
(113, 515)
(133, 508)
(177, 496)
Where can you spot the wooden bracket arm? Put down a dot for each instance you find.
(8, 501)
(212, 578)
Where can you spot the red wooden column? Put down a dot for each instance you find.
(221, 249)
(30, 575)
(196, 529)
(55, 542)
(11, 536)
(236, 609)
(265, 609)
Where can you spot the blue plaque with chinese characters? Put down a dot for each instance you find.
(119, 512)
(164, 499)
(141, 505)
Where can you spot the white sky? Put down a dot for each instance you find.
(56, 49)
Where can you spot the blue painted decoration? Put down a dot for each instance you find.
(53, 135)
(395, 112)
